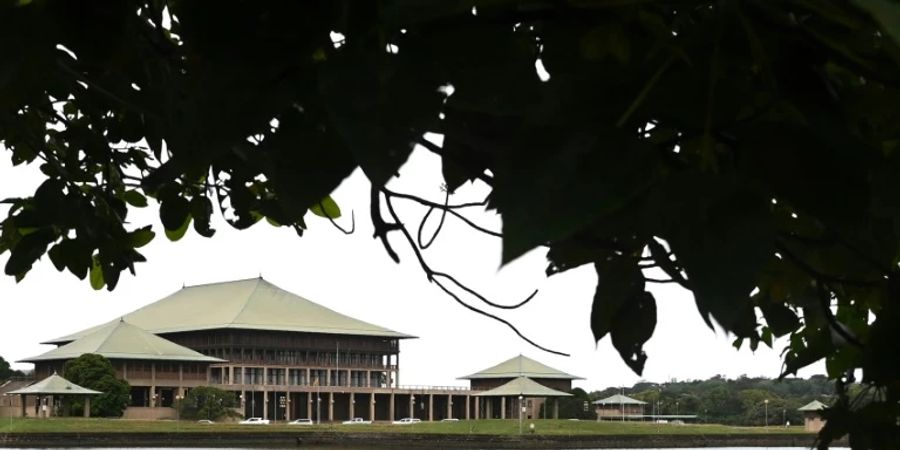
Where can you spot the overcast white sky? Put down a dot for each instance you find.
(353, 275)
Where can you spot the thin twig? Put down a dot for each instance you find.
(823, 277)
(432, 277)
(437, 230)
(655, 280)
(825, 303)
(667, 265)
(336, 225)
(381, 228)
(483, 298)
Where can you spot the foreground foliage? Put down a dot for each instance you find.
(744, 150)
(96, 372)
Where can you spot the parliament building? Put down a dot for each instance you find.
(285, 357)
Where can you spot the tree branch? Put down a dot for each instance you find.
(433, 277)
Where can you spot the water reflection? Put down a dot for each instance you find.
(430, 447)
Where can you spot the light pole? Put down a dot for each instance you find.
(766, 402)
(521, 410)
(178, 412)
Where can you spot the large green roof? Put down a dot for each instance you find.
(252, 304)
(54, 385)
(122, 340)
(525, 387)
(520, 366)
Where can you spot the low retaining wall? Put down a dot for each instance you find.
(367, 440)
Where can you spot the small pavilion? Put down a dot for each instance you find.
(812, 415)
(519, 390)
(51, 387)
(504, 380)
(619, 407)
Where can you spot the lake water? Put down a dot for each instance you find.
(337, 447)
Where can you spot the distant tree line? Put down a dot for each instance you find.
(6, 372)
(740, 401)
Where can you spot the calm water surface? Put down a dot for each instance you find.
(338, 447)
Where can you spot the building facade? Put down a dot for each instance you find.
(283, 356)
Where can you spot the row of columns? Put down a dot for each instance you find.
(314, 400)
(393, 376)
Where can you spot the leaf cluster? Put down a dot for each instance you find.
(744, 150)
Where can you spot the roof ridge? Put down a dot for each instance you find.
(247, 300)
(219, 282)
(111, 331)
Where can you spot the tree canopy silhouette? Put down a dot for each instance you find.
(748, 150)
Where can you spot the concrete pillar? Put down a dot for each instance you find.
(331, 406)
(309, 404)
(391, 407)
(467, 406)
(372, 407)
(412, 405)
(502, 407)
(87, 406)
(265, 376)
(449, 406)
(152, 385)
(287, 406)
(556, 408)
(352, 406)
(181, 378)
(477, 408)
(397, 372)
(368, 382)
(430, 407)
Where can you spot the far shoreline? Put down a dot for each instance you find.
(407, 440)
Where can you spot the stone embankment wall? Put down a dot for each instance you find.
(406, 440)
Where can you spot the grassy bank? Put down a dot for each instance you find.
(488, 427)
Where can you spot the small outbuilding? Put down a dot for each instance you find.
(812, 415)
(619, 407)
(519, 392)
(48, 389)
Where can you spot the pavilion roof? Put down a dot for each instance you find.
(619, 399)
(525, 387)
(519, 366)
(55, 385)
(814, 405)
(122, 340)
(252, 304)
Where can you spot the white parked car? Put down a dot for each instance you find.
(254, 421)
(301, 422)
(356, 421)
(451, 419)
(406, 421)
